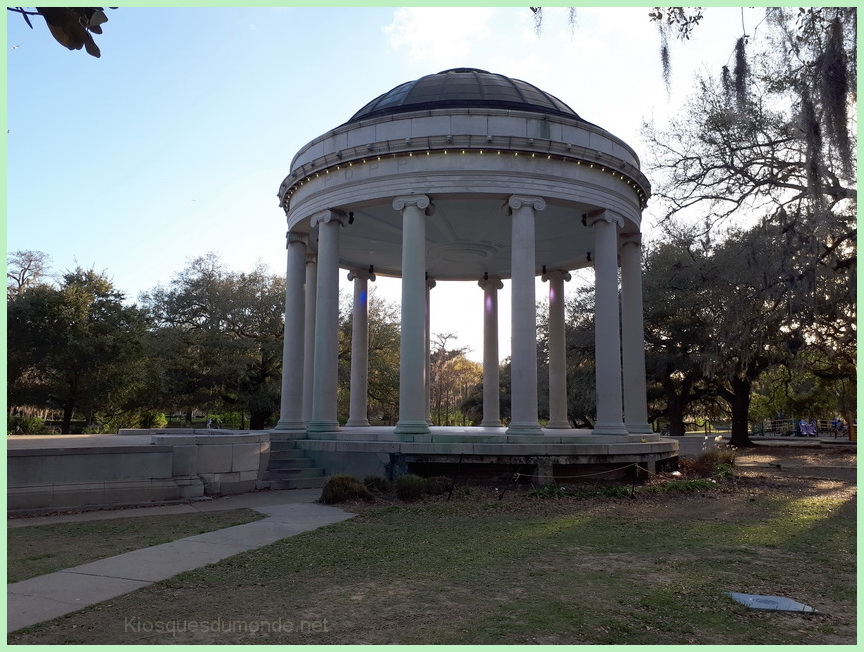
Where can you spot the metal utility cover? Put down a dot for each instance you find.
(770, 603)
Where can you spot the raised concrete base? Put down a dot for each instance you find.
(383, 451)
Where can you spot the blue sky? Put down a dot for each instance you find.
(174, 143)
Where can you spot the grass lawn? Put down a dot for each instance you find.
(39, 549)
(646, 570)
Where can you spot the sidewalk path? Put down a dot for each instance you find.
(56, 594)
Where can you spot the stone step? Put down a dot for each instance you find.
(283, 445)
(291, 435)
(298, 483)
(290, 474)
(293, 454)
(290, 463)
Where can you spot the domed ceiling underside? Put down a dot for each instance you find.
(464, 88)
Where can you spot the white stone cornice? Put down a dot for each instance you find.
(604, 215)
(420, 201)
(556, 274)
(325, 217)
(362, 274)
(515, 202)
(493, 282)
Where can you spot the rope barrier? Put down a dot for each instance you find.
(518, 475)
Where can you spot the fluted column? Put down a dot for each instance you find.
(607, 333)
(633, 336)
(291, 402)
(557, 351)
(491, 381)
(357, 415)
(309, 334)
(523, 353)
(412, 361)
(325, 377)
(430, 284)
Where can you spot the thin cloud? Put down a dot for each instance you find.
(439, 35)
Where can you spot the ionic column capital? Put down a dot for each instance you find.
(491, 282)
(630, 239)
(362, 274)
(556, 274)
(420, 201)
(311, 258)
(291, 238)
(515, 202)
(430, 283)
(325, 217)
(602, 215)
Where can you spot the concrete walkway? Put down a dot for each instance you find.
(56, 594)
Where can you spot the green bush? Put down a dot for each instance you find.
(21, 425)
(342, 488)
(438, 485)
(377, 483)
(724, 471)
(152, 420)
(410, 487)
(706, 464)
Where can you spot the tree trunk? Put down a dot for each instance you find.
(739, 401)
(258, 419)
(66, 423)
(674, 410)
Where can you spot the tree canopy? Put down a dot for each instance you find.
(71, 27)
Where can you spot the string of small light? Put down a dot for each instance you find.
(335, 167)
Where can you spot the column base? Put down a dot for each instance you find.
(609, 429)
(411, 428)
(290, 424)
(639, 429)
(357, 423)
(559, 425)
(491, 423)
(323, 426)
(524, 429)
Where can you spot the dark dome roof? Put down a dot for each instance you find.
(464, 88)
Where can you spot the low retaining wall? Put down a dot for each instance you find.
(173, 467)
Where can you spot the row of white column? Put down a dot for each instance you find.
(310, 353)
